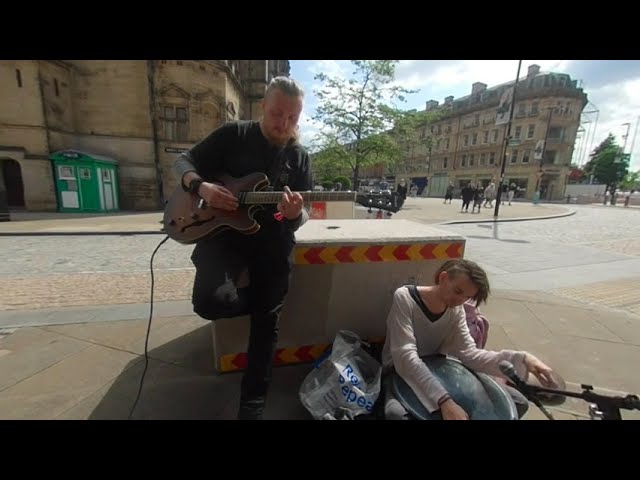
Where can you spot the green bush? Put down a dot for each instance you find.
(344, 181)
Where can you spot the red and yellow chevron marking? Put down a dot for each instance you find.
(284, 356)
(378, 253)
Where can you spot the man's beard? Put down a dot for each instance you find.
(279, 141)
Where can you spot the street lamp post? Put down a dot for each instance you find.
(507, 137)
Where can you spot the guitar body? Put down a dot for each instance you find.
(187, 218)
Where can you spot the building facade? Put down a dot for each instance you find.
(140, 113)
(466, 145)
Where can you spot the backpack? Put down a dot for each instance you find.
(477, 322)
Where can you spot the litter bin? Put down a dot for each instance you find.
(85, 182)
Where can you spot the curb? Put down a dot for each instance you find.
(83, 233)
(518, 219)
(160, 232)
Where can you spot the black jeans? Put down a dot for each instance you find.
(219, 262)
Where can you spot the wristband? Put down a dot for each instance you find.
(194, 185)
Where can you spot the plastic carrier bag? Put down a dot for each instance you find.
(344, 384)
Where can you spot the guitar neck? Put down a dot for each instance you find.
(250, 198)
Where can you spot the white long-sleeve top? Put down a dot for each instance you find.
(411, 335)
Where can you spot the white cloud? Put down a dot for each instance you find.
(309, 128)
(332, 68)
(617, 104)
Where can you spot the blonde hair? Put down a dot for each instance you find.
(471, 269)
(286, 85)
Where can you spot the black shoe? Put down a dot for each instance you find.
(251, 410)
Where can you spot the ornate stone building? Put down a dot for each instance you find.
(139, 113)
(465, 144)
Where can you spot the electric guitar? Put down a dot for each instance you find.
(187, 217)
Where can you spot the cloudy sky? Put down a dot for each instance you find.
(612, 86)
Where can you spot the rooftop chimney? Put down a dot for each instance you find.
(478, 87)
(448, 100)
(533, 71)
(431, 104)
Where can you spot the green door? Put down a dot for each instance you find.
(88, 187)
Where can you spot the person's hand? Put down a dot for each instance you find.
(217, 196)
(452, 411)
(542, 371)
(291, 204)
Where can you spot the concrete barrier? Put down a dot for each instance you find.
(331, 210)
(344, 277)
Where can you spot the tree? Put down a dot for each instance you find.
(631, 181)
(608, 164)
(362, 127)
(329, 162)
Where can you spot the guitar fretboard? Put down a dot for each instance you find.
(249, 198)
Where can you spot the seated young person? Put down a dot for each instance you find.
(426, 320)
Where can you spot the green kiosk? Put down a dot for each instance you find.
(85, 182)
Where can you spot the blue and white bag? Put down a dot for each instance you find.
(344, 384)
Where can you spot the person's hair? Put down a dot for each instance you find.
(286, 85)
(291, 88)
(475, 273)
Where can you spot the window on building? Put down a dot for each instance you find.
(175, 123)
(556, 133)
(518, 131)
(530, 131)
(19, 77)
(471, 160)
(463, 162)
(486, 137)
(483, 159)
(495, 136)
(474, 139)
(525, 156)
(549, 157)
(514, 156)
(492, 158)
(466, 140)
(445, 163)
(534, 108)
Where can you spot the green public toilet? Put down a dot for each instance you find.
(85, 182)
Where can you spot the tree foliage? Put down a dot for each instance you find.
(608, 164)
(362, 126)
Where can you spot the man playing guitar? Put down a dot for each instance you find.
(240, 148)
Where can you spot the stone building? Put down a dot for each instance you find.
(466, 145)
(139, 113)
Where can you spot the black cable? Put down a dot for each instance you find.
(146, 342)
